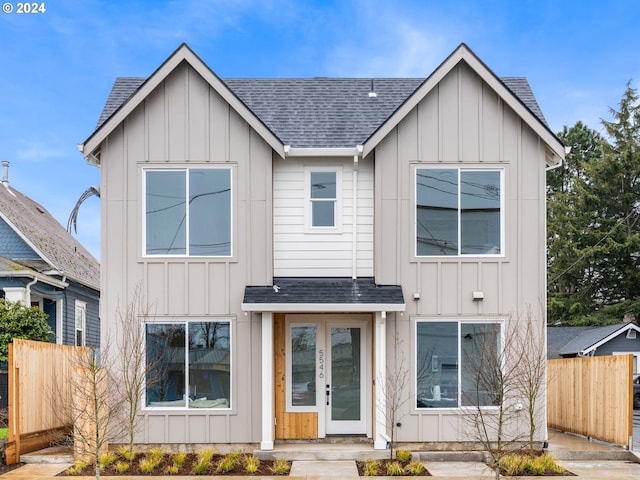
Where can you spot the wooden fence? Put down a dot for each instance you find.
(40, 386)
(592, 397)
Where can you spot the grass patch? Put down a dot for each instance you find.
(4, 433)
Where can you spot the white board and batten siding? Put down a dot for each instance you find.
(301, 252)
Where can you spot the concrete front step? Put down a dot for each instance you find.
(52, 455)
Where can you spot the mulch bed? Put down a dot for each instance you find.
(7, 468)
(186, 470)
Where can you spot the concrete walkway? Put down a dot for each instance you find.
(589, 460)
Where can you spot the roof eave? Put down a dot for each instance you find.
(323, 307)
(183, 54)
(463, 53)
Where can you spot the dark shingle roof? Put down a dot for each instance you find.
(319, 112)
(289, 290)
(34, 223)
(565, 341)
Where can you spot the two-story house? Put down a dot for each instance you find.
(298, 238)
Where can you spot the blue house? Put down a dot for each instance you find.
(43, 265)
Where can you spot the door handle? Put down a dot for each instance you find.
(328, 393)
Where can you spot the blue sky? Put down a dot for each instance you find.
(57, 67)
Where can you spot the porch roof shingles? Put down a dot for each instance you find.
(292, 291)
(319, 112)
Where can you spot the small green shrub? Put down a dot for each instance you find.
(251, 464)
(403, 455)
(394, 469)
(415, 468)
(121, 467)
(280, 466)
(511, 464)
(549, 464)
(156, 454)
(225, 465)
(371, 468)
(77, 467)
(526, 465)
(147, 465)
(235, 457)
(173, 469)
(107, 459)
(204, 460)
(126, 454)
(179, 458)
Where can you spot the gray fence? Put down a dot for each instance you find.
(4, 389)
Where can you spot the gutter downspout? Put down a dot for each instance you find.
(354, 210)
(28, 291)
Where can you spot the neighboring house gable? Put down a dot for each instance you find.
(298, 234)
(41, 264)
(569, 342)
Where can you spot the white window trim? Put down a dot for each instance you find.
(186, 323)
(79, 305)
(459, 169)
(143, 235)
(459, 322)
(308, 227)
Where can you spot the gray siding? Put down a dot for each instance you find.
(460, 123)
(619, 344)
(186, 123)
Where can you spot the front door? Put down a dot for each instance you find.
(345, 385)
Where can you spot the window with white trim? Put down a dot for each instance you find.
(458, 212)
(80, 322)
(188, 364)
(456, 363)
(188, 212)
(322, 192)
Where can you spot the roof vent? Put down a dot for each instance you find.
(5, 173)
(372, 91)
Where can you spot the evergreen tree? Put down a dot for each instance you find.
(594, 233)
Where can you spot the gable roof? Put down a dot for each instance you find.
(330, 112)
(58, 251)
(582, 341)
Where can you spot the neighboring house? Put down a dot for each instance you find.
(570, 342)
(43, 265)
(296, 238)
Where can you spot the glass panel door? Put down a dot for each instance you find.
(345, 382)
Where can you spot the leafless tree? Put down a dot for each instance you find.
(394, 387)
(93, 406)
(133, 373)
(531, 378)
(490, 367)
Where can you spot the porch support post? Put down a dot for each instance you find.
(267, 381)
(381, 438)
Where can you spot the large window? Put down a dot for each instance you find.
(457, 364)
(458, 212)
(188, 212)
(323, 198)
(188, 365)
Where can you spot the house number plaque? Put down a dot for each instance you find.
(321, 363)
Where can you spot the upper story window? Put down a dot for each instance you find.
(188, 212)
(459, 212)
(81, 322)
(323, 198)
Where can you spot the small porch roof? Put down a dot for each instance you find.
(315, 294)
